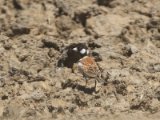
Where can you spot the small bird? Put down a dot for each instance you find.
(90, 69)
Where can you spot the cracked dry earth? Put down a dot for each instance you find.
(33, 34)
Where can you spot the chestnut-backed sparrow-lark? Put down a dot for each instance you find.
(90, 69)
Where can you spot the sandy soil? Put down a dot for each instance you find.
(125, 33)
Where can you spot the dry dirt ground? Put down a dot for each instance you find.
(125, 33)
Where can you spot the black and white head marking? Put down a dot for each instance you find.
(75, 49)
(79, 48)
(83, 51)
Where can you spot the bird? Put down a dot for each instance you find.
(88, 67)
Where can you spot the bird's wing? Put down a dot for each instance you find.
(92, 71)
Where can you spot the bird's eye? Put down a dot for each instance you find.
(75, 49)
(83, 51)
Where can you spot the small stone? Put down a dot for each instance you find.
(130, 49)
(37, 95)
(19, 29)
(50, 42)
(72, 108)
(52, 53)
(156, 67)
(7, 46)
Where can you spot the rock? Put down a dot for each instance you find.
(19, 29)
(104, 2)
(130, 49)
(2, 82)
(85, 12)
(154, 68)
(6, 42)
(154, 23)
(68, 7)
(52, 53)
(157, 93)
(22, 56)
(19, 4)
(65, 25)
(72, 108)
(106, 25)
(50, 42)
(37, 95)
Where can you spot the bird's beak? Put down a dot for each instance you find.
(74, 68)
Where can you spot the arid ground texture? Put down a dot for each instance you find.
(124, 33)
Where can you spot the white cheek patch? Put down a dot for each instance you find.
(87, 52)
(83, 51)
(75, 49)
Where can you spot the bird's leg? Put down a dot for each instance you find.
(98, 86)
(86, 79)
(86, 82)
(95, 85)
(74, 68)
